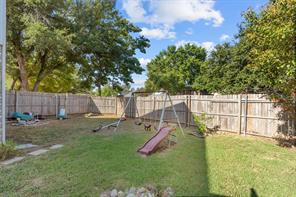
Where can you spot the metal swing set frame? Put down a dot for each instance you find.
(132, 97)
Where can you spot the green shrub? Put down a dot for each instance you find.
(7, 150)
(200, 122)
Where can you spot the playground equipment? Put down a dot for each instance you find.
(113, 124)
(62, 114)
(117, 122)
(22, 116)
(147, 126)
(163, 132)
(152, 144)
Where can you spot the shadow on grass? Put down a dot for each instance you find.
(95, 162)
(286, 130)
(200, 171)
(183, 166)
(253, 193)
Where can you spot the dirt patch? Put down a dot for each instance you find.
(37, 182)
(56, 131)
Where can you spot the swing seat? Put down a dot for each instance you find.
(98, 128)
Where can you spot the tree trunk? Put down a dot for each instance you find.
(23, 73)
(13, 83)
(36, 85)
(99, 89)
(41, 74)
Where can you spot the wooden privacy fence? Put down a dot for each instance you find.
(50, 103)
(103, 105)
(244, 114)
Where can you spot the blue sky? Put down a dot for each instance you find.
(176, 22)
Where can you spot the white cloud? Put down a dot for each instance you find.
(173, 11)
(134, 9)
(189, 31)
(144, 62)
(158, 33)
(209, 46)
(162, 15)
(185, 10)
(181, 43)
(224, 37)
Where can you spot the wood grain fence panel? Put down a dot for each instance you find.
(103, 105)
(226, 111)
(45, 103)
(10, 103)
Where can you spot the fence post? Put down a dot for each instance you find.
(116, 105)
(16, 101)
(66, 105)
(31, 104)
(186, 111)
(41, 104)
(154, 114)
(239, 114)
(89, 105)
(246, 114)
(189, 111)
(56, 105)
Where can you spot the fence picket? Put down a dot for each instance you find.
(253, 114)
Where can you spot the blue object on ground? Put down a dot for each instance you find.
(62, 114)
(22, 116)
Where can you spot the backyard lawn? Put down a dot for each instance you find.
(90, 163)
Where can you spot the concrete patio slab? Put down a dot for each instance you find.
(11, 161)
(24, 146)
(38, 152)
(56, 146)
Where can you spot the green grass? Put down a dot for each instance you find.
(91, 163)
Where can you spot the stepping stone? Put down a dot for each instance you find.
(11, 161)
(38, 152)
(56, 146)
(24, 146)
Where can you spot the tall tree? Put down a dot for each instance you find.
(272, 34)
(262, 60)
(213, 73)
(175, 68)
(15, 39)
(48, 38)
(60, 80)
(109, 90)
(226, 70)
(38, 38)
(106, 44)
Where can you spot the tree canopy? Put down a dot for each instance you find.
(261, 59)
(38, 40)
(272, 35)
(81, 45)
(106, 45)
(175, 68)
(65, 40)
